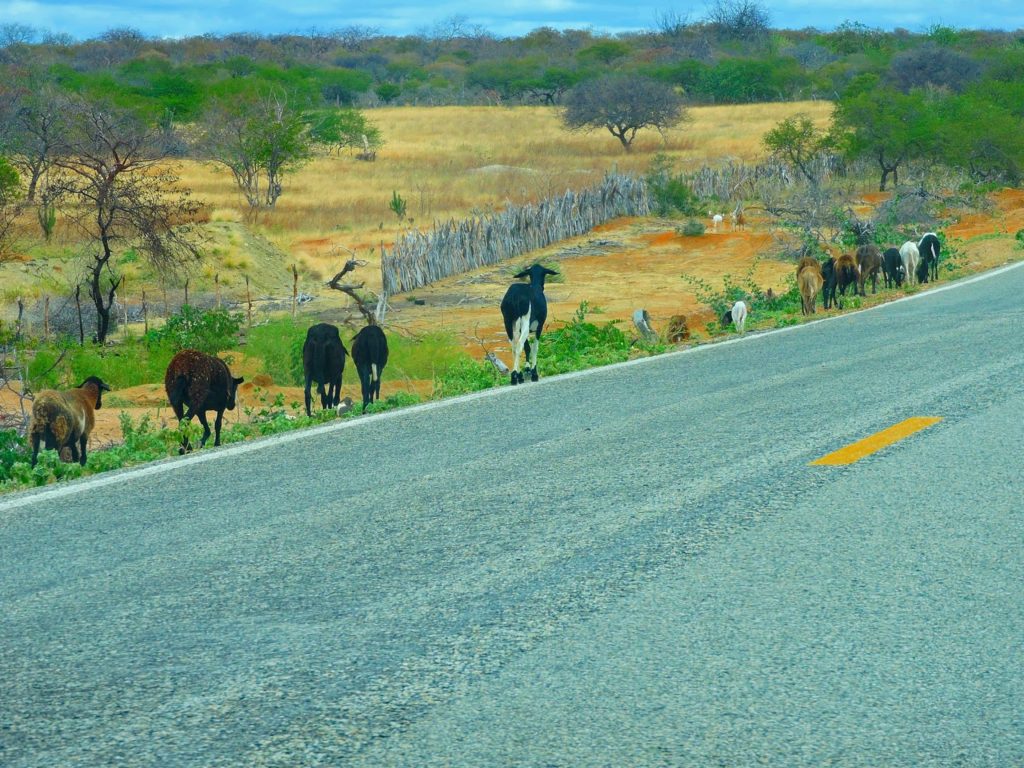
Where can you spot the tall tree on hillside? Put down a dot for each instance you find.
(887, 126)
(116, 189)
(259, 138)
(622, 104)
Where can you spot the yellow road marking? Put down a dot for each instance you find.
(876, 442)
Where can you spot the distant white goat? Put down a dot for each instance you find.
(716, 219)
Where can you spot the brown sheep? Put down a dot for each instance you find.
(809, 279)
(869, 262)
(203, 383)
(65, 419)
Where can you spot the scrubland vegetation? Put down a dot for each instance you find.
(259, 165)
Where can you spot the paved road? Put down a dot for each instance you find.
(635, 567)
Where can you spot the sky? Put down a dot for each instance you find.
(179, 18)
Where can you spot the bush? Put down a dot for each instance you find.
(466, 375)
(693, 228)
(208, 330)
(13, 449)
(580, 344)
(669, 191)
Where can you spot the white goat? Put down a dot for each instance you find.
(739, 315)
(909, 254)
(716, 219)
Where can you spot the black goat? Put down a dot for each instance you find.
(525, 309)
(323, 361)
(828, 276)
(892, 268)
(929, 248)
(370, 354)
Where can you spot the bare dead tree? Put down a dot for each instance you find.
(116, 190)
(372, 307)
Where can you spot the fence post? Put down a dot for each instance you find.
(248, 301)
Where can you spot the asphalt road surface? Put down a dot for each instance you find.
(633, 567)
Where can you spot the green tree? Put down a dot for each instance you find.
(623, 105)
(983, 137)
(345, 129)
(797, 141)
(388, 92)
(259, 138)
(886, 125)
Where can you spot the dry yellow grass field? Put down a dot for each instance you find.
(450, 161)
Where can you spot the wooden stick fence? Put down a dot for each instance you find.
(737, 181)
(451, 247)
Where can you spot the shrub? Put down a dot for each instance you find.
(580, 344)
(208, 330)
(466, 375)
(13, 449)
(693, 228)
(670, 193)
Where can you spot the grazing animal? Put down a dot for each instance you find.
(910, 256)
(677, 329)
(828, 274)
(922, 271)
(370, 354)
(323, 360)
(525, 309)
(738, 315)
(737, 219)
(716, 219)
(200, 382)
(809, 280)
(929, 248)
(64, 419)
(892, 268)
(847, 274)
(869, 263)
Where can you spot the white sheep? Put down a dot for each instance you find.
(910, 255)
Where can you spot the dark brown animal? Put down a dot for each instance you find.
(200, 382)
(828, 273)
(677, 330)
(809, 280)
(370, 354)
(65, 419)
(847, 274)
(869, 262)
(323, 360)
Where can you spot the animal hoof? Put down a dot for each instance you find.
(516, 378)
(533, 375)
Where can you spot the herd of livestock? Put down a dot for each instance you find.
(196, 382)
(911, 263)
